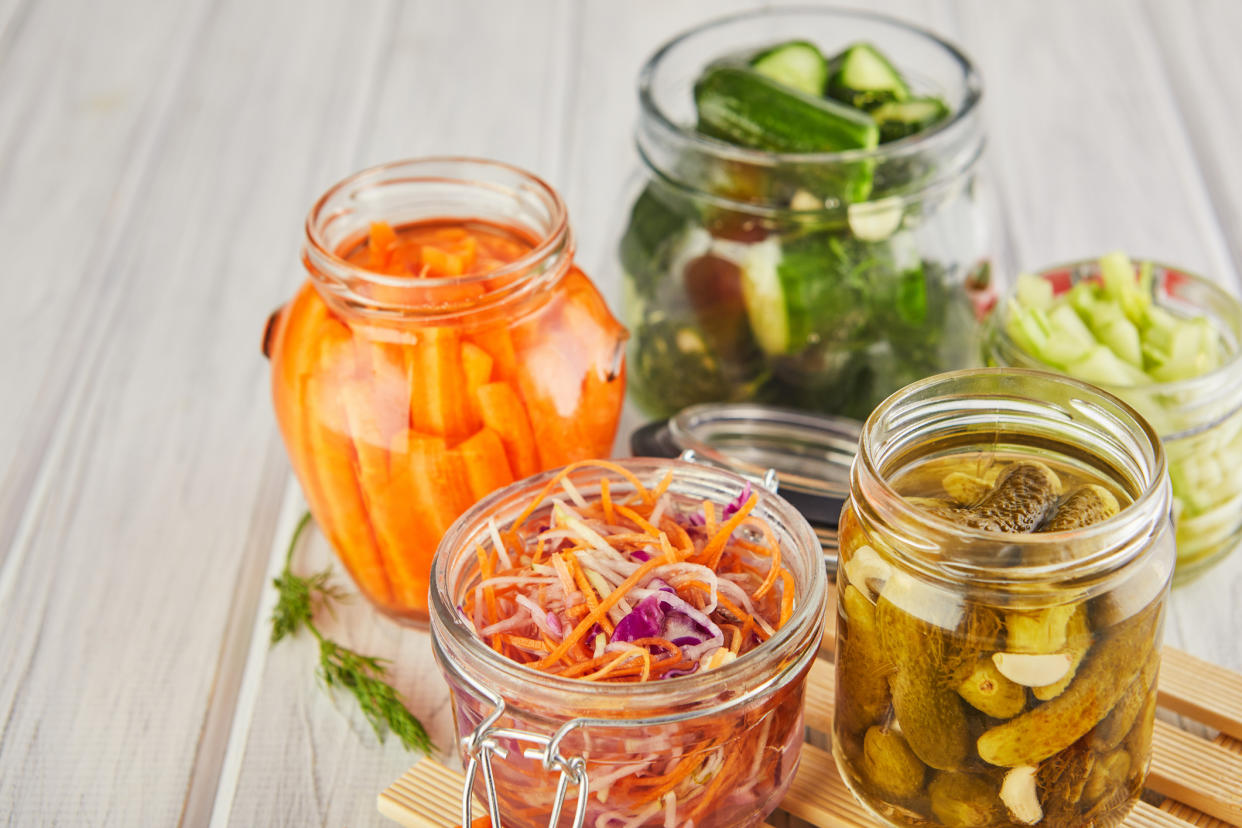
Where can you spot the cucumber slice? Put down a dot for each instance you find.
(901, 119)
(1034, 292)
(765, 297)
(741, 106)
(797, 64)
(875, 220)
(865, 78)
(746, 108)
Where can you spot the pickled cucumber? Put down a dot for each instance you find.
(1117, 724)
(1077, 643)
(1099, 684)
(1108, 774)
(863, 676)
(986, 690)
(967, 489)
(1041, 631)
(1023, 496)
(1060, 783)
(964, 799)
(931, 713)
(1088, 504)
(890, 765)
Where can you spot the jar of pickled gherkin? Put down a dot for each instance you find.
(1006, 554)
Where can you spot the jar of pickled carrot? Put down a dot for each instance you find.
(444, 345)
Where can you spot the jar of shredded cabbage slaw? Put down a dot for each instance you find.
(627, 644)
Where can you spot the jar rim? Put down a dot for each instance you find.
(1154, 499)
(431, 170)
(972, 82)
(1231, 366)
(700, 686)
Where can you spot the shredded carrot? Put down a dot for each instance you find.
(605, 500)
(557, 569)
(711, 553)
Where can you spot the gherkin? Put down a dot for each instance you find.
(964, 799)
(890, 765)
(1023, 496)
(1088, 504)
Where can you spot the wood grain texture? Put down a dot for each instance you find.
(156, 161)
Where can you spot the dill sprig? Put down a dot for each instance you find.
(340, 667)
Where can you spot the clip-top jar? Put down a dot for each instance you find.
(716, 746)
(443, 346)
(1005, 561)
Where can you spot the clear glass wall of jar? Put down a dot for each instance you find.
(1199, 419)
(989, 677)
(737, 728)
(752, 275)
(402, 397)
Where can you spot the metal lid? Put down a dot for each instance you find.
(810, 453)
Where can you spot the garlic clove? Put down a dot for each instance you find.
(1031, 669)
(867, 571)
(1018, 792)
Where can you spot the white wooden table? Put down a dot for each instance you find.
(156, 161)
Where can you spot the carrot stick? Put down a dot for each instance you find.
(438, 403)
(383, 502)
(477, 366)
(341, 506)
(504, 414)
(295, 354)
(498, 343)
(487, 467)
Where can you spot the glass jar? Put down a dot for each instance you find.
(404, 397)
(993, 677)
(1199, 419)
(740, 722)
(751, 275)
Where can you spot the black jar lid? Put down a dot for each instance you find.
(809, 453)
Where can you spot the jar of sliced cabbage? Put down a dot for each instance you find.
(628, 642)
(1006, 555)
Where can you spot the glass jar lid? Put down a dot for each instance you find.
(810, 453)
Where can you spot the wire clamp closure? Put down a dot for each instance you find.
(487, 740)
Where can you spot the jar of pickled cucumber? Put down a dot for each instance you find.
(1006, 554)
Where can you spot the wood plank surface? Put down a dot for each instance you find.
(156, 162)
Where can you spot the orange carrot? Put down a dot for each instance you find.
(389, 515)
(438, 403)
(441, 492)
(341, 509)
(476, 364)
(494, 338)
(503, 413)
(487, 467)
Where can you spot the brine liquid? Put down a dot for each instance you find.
(437, 248)
(942, 477)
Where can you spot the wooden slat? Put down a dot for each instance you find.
(1205, 776)
(1201, 690)
(1183, 811)
(428, 795)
